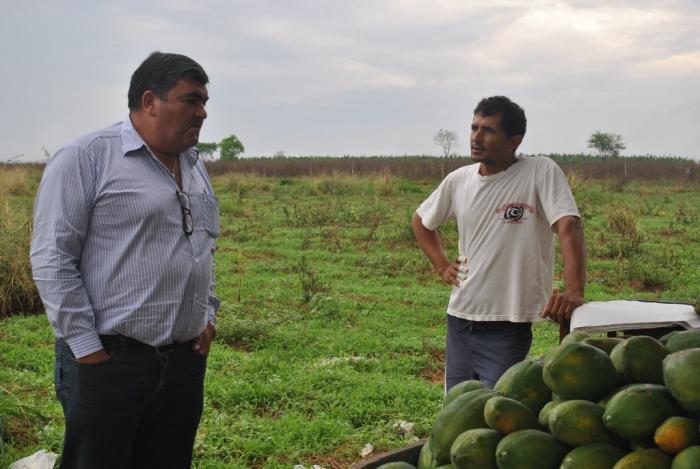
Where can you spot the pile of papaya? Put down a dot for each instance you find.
(590, 403)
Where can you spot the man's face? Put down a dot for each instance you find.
(179, 117)
(489, 143)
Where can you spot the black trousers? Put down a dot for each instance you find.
(139, 409)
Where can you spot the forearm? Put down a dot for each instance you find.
(429, 242)
(573, 251)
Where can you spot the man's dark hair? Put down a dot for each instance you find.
(159, 73)
(513, 118)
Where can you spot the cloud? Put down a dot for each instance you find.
(334, 77)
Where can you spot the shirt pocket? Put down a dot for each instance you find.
(207, 206)
(212, 216)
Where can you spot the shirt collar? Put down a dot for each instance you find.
(132, 141)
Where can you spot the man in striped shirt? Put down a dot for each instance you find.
(124, 227)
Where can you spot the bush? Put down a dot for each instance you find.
(17, 290)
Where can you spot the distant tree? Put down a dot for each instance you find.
(447, 139)
(606, 143)
(207, 149)
(230, 148)
(279, 154)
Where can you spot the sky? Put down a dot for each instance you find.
(362, 77)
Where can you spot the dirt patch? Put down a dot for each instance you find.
(434, 373)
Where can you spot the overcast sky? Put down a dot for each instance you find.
(364, 77)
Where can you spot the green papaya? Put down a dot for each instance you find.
(682, 378)
(475, 448)
(579, 371)
(689, 458)
(530, 449)
(606, 344)
(461, 388)
(592, 456)
(639, 360)
(664, 338)
(508, 415)
(684, 340)
(580, 422)
(575, 336)
(604, 401)
(397, 465)
(635, 412)
(425, 457)
(524, 383)
(543, 417)
(465, 412)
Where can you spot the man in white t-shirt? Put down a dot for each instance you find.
(507, 209)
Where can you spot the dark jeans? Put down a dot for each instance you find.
(483, 350)
(138, 409)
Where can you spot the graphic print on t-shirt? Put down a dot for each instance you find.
(514, 212)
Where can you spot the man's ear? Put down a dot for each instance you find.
(148, 101)
(515, 141)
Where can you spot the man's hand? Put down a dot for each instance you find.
(561, 305)
(203, 342)
(94, 358)
(449, 273)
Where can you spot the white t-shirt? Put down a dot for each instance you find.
(504, 223)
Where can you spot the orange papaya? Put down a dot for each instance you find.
(676, 434)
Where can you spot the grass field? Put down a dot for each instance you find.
(331, 330)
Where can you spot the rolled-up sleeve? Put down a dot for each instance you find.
(62, 213)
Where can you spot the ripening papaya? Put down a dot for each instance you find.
(579, 371)
(592, 456)
(676, 434)
(530, 449)
(524, 383)
(508, 415)
(652, 458)
(475, 448)
(639, 360)
(635, 412)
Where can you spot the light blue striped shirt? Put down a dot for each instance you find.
(109, 254)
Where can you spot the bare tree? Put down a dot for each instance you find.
(447, 139)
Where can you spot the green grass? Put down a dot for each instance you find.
(332, 323)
